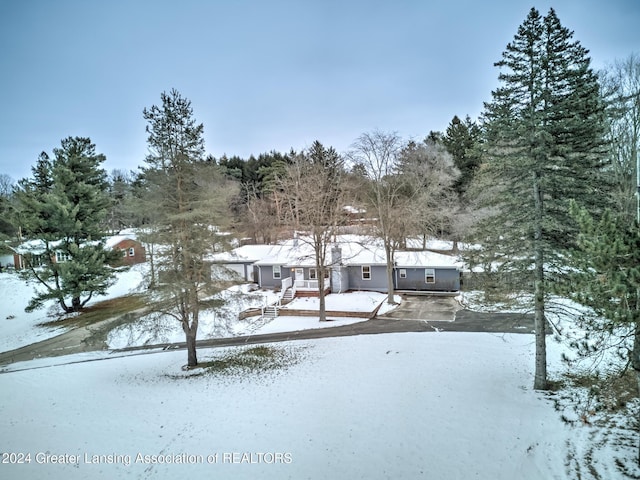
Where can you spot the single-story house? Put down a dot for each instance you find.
(132, 251)
(241, 260)
(353, 263)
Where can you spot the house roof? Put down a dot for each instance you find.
(294, 252)
(243, 254)
(355, 250)
(426, 259)
(38, 246)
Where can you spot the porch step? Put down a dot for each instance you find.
(288, 294)
(270, 312)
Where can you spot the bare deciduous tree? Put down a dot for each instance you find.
(376, 154)
(621, 82)
(430, 174)
(311, 194)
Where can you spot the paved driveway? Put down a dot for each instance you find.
(425, 308)
(446, 314)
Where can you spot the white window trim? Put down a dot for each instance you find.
(362, 271)
(430, 272)
(313, 274)
(132, 252)
(403, 273)
(62, 257)
(277, 268)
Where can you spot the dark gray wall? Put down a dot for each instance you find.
(447, 280)
(378, 282)
(266, 276)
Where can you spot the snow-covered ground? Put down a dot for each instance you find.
(18, 328)
(401, 406)
(412, 405)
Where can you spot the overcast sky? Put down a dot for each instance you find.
(263, 75)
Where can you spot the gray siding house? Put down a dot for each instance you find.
(354, 264)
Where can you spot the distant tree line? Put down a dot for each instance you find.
(537, 184)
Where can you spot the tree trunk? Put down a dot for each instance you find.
(390, 287)
(152, 274)
(323, 308)
(635, 363)
(540, 379)
(76, 304)
(192, 359)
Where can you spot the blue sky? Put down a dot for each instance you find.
(263, 75)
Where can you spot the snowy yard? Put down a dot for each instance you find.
(436, 406)
(401, 406)
(18, 328)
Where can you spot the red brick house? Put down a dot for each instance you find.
(132, 251)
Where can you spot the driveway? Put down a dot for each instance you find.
(446, 314)
(425, 308)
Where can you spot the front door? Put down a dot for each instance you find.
(299, 272)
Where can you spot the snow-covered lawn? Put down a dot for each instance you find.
(400, 406)
(18, 328)
(435, 406)
(349, 302)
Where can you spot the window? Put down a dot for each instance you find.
(62, 257)
(366, 272)
(313, 274)
(124, 253)
(277, 272)
(429, 275)
(403, 273)
(33, 260)
(132, 252)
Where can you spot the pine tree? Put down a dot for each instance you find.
(460, 139)
(64, 206)
(607, 279)
(544, 146)
(187, 197)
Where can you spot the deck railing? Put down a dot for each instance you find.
(307, 284)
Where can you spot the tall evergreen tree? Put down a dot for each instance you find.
(64, 206)
(189, 198)
(544, 147)
(460, 139)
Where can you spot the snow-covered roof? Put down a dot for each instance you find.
(292, 252)
(38, 246)
(426, 258)
(355, 250)
(111, 242)
(34, 247)
(243, 254)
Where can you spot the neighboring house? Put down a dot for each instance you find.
(6, 261)
(241, 260)
(353, 264)
(132, 251)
